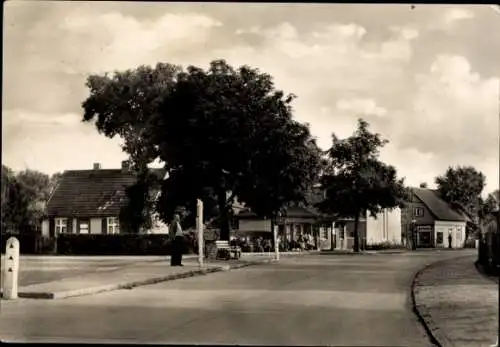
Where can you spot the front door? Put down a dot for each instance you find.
(424, 239)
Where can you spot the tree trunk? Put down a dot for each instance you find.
(223, 216)
(356, 234)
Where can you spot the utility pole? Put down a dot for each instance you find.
(199, 226)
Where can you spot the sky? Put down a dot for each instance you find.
(426, 79)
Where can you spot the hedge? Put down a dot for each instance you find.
(29, 243)
(384, 245)
(96, 244)
(120, 244)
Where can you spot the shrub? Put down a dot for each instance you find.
(120, 244)
(29, 243)
(383, 245)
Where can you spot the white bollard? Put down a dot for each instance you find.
(276, 245)
(199, 226)
(11, 271)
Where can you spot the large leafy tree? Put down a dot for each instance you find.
(462, 186)
(488, 207)
(126, 104)
(24, 196)
(221, 133)
(358, 182)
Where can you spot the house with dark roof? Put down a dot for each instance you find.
(435, 221)
(89, 201)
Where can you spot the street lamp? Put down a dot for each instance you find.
(275, 236)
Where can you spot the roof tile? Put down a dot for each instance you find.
(91, 193)
(440, 208)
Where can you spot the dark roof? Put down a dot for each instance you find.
(91, 193)
(439, 208)
(246, 214)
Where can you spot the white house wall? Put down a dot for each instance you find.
(385, 228)
(457, 230)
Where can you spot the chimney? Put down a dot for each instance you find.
(97, 166)
(125, 166)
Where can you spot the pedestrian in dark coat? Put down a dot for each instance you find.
(177, 237)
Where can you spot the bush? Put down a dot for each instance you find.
(121, 244)
(383, 245)
(29, 243)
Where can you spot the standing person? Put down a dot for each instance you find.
(177, 237)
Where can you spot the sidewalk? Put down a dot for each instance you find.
(458, 306)
(127, 277)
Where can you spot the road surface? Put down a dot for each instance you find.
(309, 300)
(42, 269)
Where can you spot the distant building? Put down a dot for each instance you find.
(434, 219)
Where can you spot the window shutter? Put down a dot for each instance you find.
(104, 226)
(69, 225)
(78, 225)
(52, 227)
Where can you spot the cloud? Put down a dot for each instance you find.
(54, 143)
(115, 41)
(57, 54)
(456, 14)
(453, 117)
(425, 87)
(361, 107)
(407, 33)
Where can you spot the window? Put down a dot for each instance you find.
(113, 225)
(418, 212)
(84, 226)
(61, 225)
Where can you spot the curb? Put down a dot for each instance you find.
(433, 332)
(133, 284)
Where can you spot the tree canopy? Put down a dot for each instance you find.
(489, 206)
(221, 133)
(358, 182)
(462, 186)
(24, 196)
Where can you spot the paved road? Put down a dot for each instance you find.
(41, 269)
(308, 300)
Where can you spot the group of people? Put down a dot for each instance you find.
(178, 237)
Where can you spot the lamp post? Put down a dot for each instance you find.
(275, 237)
